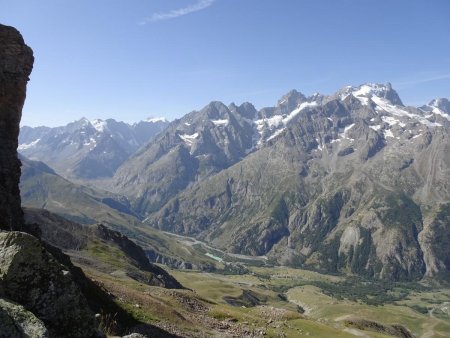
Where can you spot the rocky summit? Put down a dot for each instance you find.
(16, 63)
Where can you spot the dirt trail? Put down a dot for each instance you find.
(429, 326)
(356, 332)
(344, 317)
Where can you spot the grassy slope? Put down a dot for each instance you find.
(203, 312)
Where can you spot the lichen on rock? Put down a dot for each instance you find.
(17, 322)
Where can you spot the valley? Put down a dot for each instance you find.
(283, 302)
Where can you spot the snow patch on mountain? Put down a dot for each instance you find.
(344, 134)
(188, 139)
(156, 119)
(365, 92)
(90, 142)
(273, 126)
(388, 133)
(296, 111)
(220, 122)
(319, 144)
(384, 105)
(437, 111)
(100, 125)
(275, 134)
(25, 146)
(392, 121)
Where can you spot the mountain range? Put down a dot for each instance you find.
(87, 149)
(350, 182)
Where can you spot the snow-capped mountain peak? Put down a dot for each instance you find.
(368, 90)
(438, 107)
(442, 104)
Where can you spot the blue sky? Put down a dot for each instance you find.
(130, 59)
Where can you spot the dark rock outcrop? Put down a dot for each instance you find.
(395, 330)
(30, 276)
(137, 254)
(16, 63)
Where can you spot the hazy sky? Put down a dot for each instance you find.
(130, 59)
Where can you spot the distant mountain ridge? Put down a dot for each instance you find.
(87, 149)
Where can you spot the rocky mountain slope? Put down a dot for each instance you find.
(200, 144)
(354, 181)
(85, 149)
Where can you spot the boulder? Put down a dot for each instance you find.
(30, 276)
(17, 322)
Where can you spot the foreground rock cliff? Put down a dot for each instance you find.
(16, 63)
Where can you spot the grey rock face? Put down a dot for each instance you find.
(16, 322)
(29, 275)
(435, 241)
(16, 62)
